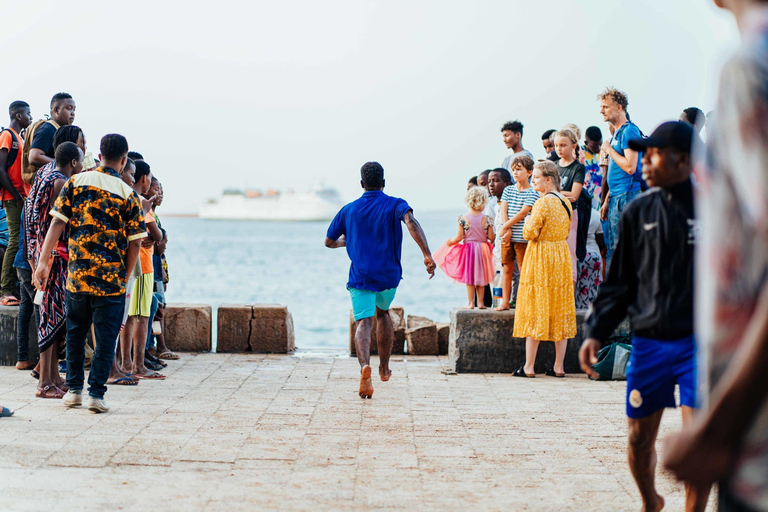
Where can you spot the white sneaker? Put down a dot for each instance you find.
(73, 398)
(97, 405)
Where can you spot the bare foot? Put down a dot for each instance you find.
(659, 505)
(481, 307)
(384, 373)
(366, 386)
(469, 306)
(503, 307)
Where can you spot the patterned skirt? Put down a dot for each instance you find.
(590, 277)
(53, 315)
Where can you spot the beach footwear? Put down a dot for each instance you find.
(124, 381)
(6, 412)
(520, 372)
(151, 376)
(49, 391)
(168, 356)
(35, 374)
(9, 300)
(551, 373)
(73, 398)
(153, 366)
(25, 365)
(97, 405)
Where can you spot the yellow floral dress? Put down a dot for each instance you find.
(546, 309)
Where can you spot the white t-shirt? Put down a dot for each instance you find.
(595, 228)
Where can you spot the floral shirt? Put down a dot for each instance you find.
(593, 180)
(103, 215)
(732, 263)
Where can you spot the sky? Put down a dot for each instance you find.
(293, 94)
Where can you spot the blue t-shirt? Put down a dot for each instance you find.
(374, 237)
(619, 182)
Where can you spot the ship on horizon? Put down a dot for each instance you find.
(319, 203)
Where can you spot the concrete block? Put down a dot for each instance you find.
(234, 328)
(481, 342)
(443, 335)
(188, 327)
(272, 329)
(397, 314)
(418, 321)
(8, 349)
(422, 341)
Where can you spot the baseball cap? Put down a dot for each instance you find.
(674, 134)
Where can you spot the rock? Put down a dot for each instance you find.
(481, 342)
(418, 321)
(397, 314)
(8, 348)
(422, 341)
(272, 329)
(188, 327)
(234, 328)
(443, 335)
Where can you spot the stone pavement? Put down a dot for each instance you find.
(266, 432)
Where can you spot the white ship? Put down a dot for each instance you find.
(320, 203)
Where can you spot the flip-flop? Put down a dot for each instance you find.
(35, 374)
(151, 376)
(6, 412)
(10, 300)
(168, 355)
(551, 373)
(125, 381)
(520, 372)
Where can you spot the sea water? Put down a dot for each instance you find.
(225, 262)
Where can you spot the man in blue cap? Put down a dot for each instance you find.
(650, 277)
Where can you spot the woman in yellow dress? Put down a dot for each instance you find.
(546, 310)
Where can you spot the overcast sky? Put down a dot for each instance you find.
(296, 93)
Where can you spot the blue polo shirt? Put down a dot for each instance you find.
(619, 182)
(374, 237)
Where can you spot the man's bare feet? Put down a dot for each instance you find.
(658, 506)
(469, 306)
(366, 386)
(384, 373)
(503, 307)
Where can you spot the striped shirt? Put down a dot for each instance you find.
(515, 200)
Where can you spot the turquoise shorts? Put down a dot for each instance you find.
(365, 302)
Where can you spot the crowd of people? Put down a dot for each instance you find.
(84, 254)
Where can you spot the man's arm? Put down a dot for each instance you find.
(627, 162)
(705, 451)
(38, 158)
(5, 180)
(335, 244)
(40, 277)
(414, 228)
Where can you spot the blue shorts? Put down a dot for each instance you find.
(655, 366)
(365, 302)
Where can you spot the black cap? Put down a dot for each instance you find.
(674, 134)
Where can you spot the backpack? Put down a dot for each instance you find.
(638, 176)
(27, 169)
(13, 152)
(612, 360)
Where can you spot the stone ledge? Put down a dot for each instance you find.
(8, 348)
(481, 342)
(188, 327)
(261, 328)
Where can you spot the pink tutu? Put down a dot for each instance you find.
(467, 263)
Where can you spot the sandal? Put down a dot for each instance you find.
(9, 300)
(125, 381)
(168, 355)
(35, 374)
(49, 391)
(151, 376)
(6, 412)
(551, 373)
(520, 372)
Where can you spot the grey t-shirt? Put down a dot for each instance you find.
(571, 174)
(507, 163)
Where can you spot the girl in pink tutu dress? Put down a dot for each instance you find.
(467, 258)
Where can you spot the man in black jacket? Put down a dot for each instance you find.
(651, 278)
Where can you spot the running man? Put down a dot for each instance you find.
(370, 229)
(650, 277)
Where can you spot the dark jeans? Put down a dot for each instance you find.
(13, 209)
(152, 312)
(106, 315)
(26, 309)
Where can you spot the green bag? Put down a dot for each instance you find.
(612, 361)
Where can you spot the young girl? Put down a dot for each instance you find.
(571, 183)
(470, 262)
(545, 306)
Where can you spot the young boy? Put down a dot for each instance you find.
(516, 203)
(498, 180)
(95, 283)
(141, 295)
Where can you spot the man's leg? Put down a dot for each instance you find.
(107, 317)
(152, 312)
(385, 335)
(614, 214)
(642, 458)
(13, 210)
(363, 309)
(26, 309)
(695, 497)
(78, 324)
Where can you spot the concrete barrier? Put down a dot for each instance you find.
(8, 347)
(481, 342)
(397, 315)
(188, 327)
(443, 337)
(422, 336)
(263, 328)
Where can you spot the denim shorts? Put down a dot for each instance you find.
(365, 302)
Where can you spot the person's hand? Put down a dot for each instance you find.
(430, 264)
(604, 211)
(147, 242)
(450, 242)
(40, 277)
(694, 459)
(588, 356)
(606, 147)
